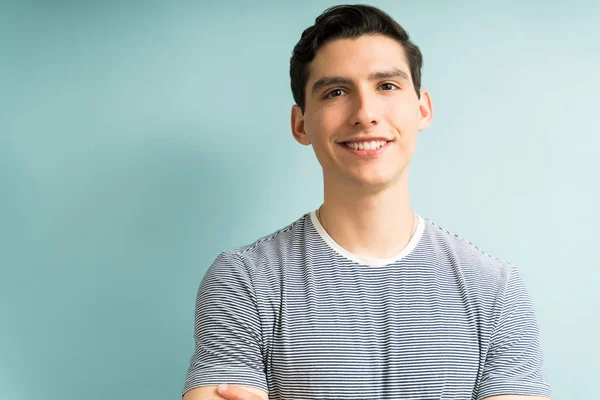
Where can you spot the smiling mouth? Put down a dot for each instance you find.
(360, 148)
(371, 145)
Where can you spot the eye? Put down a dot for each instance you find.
(335, 91)
(389, 85)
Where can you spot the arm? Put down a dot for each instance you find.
(210, 392)
(227, 331)
(517, 397)
(513, 367)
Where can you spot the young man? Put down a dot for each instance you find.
(363, 298)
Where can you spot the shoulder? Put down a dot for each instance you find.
(270, 250)
(466, 259)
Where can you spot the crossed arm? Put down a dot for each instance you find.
(251, 393)
(232, 393)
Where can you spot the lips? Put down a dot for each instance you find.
(365, 152)
(366, 145)
(366, 139)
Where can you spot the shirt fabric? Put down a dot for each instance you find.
(297, 315)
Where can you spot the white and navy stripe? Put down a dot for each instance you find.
(297, 315)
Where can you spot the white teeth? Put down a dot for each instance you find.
(366, 145)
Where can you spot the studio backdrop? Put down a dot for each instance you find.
(138, 140)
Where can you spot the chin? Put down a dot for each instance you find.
(378, 180)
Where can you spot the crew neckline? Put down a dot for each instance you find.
(363, 260)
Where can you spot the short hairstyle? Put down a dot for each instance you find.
(348, 21)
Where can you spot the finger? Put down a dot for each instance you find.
(231, 392)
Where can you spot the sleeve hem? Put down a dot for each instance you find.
(514, 387)
(210, 377)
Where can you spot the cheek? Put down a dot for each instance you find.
(405, 120)
(324, 124)
(331, 117)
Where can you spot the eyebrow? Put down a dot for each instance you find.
(340, 80)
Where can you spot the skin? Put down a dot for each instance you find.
(366, 207)
(233, 392)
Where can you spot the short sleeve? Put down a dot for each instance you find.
(514, 362)
(227, 329)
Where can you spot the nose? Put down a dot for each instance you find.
(364, 111)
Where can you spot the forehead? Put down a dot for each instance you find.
(357, 57)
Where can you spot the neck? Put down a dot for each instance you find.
(376, 224)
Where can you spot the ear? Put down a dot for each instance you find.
(425, 110)
(297, 122)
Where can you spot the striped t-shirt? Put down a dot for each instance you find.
(297, 315)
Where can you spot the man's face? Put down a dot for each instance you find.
(371, 95)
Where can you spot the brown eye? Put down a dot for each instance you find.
(336, 91)
(389, 85)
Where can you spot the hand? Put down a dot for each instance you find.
(232, 392)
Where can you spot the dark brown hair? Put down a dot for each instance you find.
(348, 21)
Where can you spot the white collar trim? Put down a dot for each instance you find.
(369, 261)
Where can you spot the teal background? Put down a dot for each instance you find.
(139, 140)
